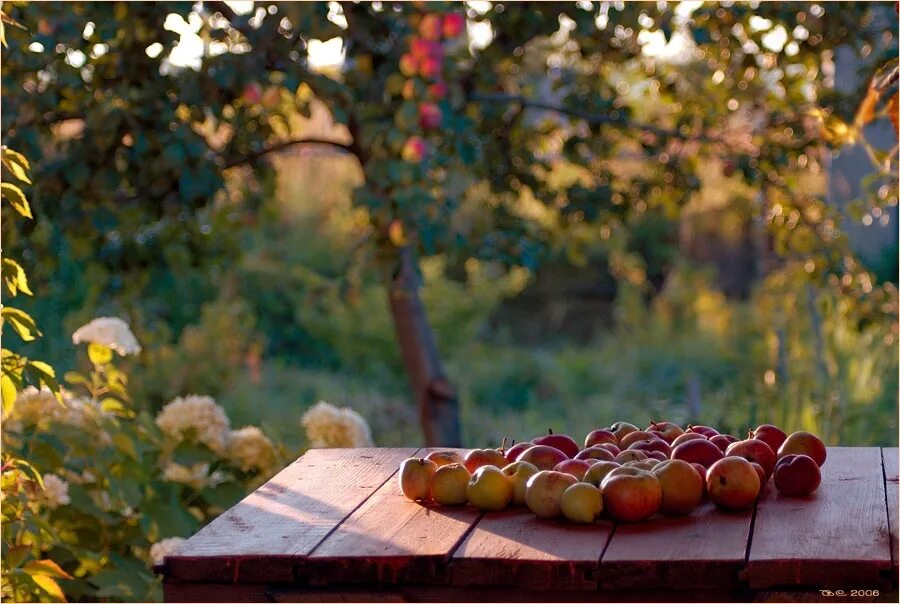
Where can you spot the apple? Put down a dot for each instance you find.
(761, 472)
(409, 65)
(630, 455)
(620, 429)
(701, 470)
(448, 484)
(704, 430)
(756, 451)
(597, 472)
(576, 467)
(686, 437)
(518, 474)
(622, 471)
(614, 449)
(634, 437)
(414, 150)
(582, 502)
(430, 27)
(682, 486)
(453, 25)
(514, 451)
(489, 489)
(409, 89)
(591, 461)
(543, 492)
(666, 430)
(804, 443)
(477, 458)
(646, 464)
(595, 452)
(797, 475)
(732, 483)
(430, 116)
(630, 498)
(602, 435)
(771, 435)
(723, 440)
(415, 477)
(697, 451)
(443, 458)
(430, 67)
(436, 91)
(564, 443)
(543, 456)
(252, 94)
(657, 455)
(652, 444)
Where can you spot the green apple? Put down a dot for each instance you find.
(518, 473)
(489, 489)
(448, 485)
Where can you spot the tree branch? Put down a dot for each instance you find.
(253, 156)
(590, 118)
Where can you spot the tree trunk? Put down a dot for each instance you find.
(434, 395)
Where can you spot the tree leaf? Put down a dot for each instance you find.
(21, 322)
(892, 109)
(16, 198)
(10, 155)
(14, 277)
(17, 164)
(47, 568)
(866, 111)
(50, 586)
(8, 389)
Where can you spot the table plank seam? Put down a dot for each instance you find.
(742, 574)
(597, 572)
(350, 513)
(887, 507)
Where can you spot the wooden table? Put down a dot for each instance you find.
(333, 526)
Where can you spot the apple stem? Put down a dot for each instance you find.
(549, 430)
(503, 444)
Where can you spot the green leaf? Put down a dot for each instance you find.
(46, 567)
(73, 377)
(50, 586)
(99, 354)
(16, 198)
(14, 277)
(21, 322)
(188, 454)
(16, 555)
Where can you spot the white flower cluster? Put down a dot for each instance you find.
(34, 407)
(111, 332)
(197, 475)
(166, 547)
(251, 449)
(198, 413)
(330, 426)
(56, 491)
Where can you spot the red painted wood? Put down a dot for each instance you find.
(665, 551)
(390, 539)
(837, 537)
(266, 535)
(514, 547)
(890, 459)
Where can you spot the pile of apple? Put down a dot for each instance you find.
(623, 472)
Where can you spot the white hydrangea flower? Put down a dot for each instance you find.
(56, 491)
(196, 475)
(166, 547)
(250, 448)
(111, 332)
(330, 426)
(200, 413)
(34, 407)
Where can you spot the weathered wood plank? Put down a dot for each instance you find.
(268, 533)
(514, 547)
(663, 552)
(890, 459)
(390, 539)
(837, 538)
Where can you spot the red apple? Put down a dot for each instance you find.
(704, 430)
(414, 150)
(723, 440)
(564, 443)
(697, 451)
(652, 444)
(252, 94)
(666, 430)
(701, 470)
(430, 116)
(732, 483)
(595, 453)
(600, 436)
(575, 467)
(543, 456)
(430, 68)
(477, 458)
(630, 498)
(453, 25)
(436, 91)
(514, 451)
(430, 27)
(620, 429)
(804, 443)
(421, 48)
(657, 455)
(771, 435)
(761, 473)
(543, 492)
(633, 437)
(614, 449)
(797, 475)
(756, 451)
(686, 437)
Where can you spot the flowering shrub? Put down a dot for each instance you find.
(329, 426)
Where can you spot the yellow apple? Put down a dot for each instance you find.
(518, 473)
(448, 485)
(489, 489)
(415, 477)
(581, 502)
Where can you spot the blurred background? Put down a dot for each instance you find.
(627, 211)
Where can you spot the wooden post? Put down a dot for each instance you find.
(435, 396)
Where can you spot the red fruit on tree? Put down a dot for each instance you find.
(414, 150)
(252, 94)
(430, 27)
(430, 68)
(453, 25)
(409, 65)
(436, 91)
(430, 116)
